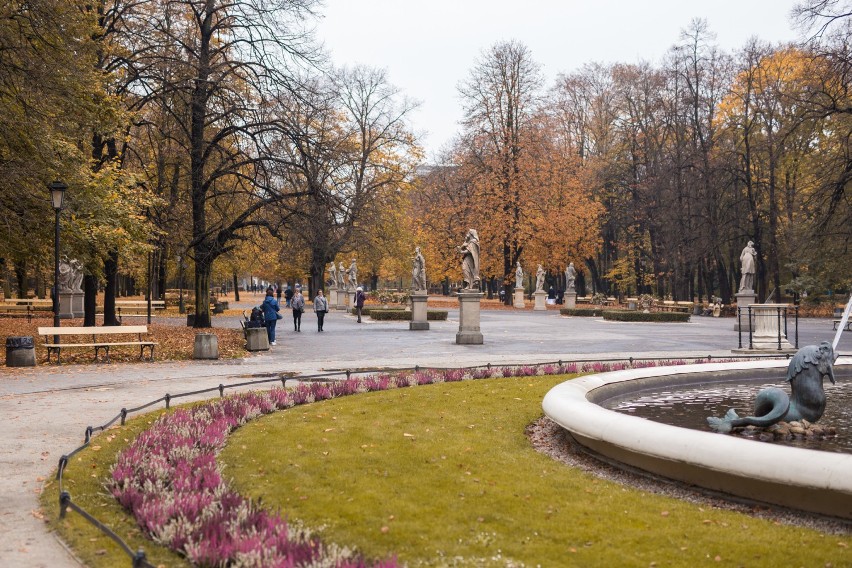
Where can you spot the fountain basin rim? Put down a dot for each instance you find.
(805, 479)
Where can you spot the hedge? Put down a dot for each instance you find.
(581, 312)
(627, 315)
(403, 315)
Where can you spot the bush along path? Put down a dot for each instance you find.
(169, 479)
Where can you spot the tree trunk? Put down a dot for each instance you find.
(21, 274)
(90, 300)
(202, 291)
(111, 274)
(236, 288)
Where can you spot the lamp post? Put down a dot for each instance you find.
(181, 307)
(57, 198)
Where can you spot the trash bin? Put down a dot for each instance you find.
(20, 351)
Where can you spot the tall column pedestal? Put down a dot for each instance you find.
(570, 299)
(332, 297)
(419, 320)
(540, 301)
(519, 299)
(70, 305)
(744, 299)
(469, 333)
(342, 296)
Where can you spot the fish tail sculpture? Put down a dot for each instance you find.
(772, 405)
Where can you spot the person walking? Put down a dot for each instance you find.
(288, 295)
(270, 314)
(298, 306)
(278, 293)
(321, 308)
(360, 296)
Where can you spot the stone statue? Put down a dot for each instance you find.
(771, 405)
(341, 272)
(570, 276)
(418, 271)
(748, 258)
(470, 260)
(352, 272)
(332, 274)
(519, 276)
(539, 279)
(70, 276)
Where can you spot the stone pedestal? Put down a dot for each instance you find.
(469, 333)
(418, 311)
(540, 301)
(332, 298)
(519, 298)
(206, 346)
(570, 299)
(342, 299)
(70, 305)
(257, 339)
(744, 299)
(769, 334)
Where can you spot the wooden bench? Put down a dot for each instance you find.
(672, 306)
(132, 308)
(838, 317)
(101, 337)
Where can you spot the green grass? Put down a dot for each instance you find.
(581, 312)
(443, 475)
(85, 478)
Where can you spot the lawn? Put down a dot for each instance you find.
(444, 475)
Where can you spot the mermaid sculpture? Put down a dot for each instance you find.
(805, 372)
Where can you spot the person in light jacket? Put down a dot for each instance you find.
(270, 314)
(320, 308)
(298, 305)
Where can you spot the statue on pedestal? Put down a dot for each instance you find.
(418, 271)
(539, 279)
(332, 274)
(570, 276)
(341, 272)
(748, 258)
(70, 276)
(352, 271)
(470, 260)
(519, 276)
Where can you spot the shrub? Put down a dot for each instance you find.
(581, 312)
(621, 315)
(386, 314)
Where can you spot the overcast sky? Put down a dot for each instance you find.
(429, 46)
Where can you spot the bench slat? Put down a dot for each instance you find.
(106, 330)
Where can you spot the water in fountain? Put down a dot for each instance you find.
(689, 406)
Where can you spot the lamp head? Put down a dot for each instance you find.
(57, 194)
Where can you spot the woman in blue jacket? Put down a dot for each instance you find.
(270, 314)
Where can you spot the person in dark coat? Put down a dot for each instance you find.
(360, 297)
(270, 314)
(288, 295)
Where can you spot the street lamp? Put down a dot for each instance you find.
(57, 198)
(181, 307)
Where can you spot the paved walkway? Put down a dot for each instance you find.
(46, 409)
